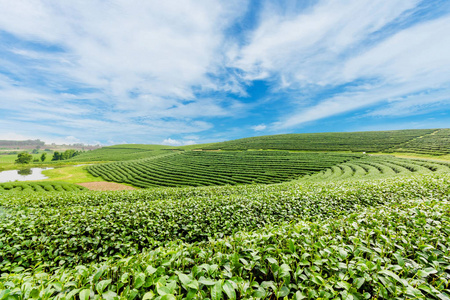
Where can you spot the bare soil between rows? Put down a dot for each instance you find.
(105, 186)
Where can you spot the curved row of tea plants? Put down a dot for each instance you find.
(369, 141)
(437, 143)
(79, 228)
(379, 166)
(397, 251)
(123, 152)
(44, 186)
(203, 168)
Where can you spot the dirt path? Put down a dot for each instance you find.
(105, 186)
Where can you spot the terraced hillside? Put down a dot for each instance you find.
(435, 143)
(426, 141)
(198, 168)
(370, 167)
(370, 141)
(123, 152)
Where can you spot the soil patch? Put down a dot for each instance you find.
(105, 186)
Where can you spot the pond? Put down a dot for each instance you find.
(23, 175)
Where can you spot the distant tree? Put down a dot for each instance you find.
(35, 151)
(68, 154)
(43, 157)
(65, 155)
(56, 156)
(24, 158)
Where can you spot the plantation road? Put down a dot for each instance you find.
(105, 186)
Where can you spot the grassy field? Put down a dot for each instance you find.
(335, 225)
(7, 162)
(10, 158)
(74, 174)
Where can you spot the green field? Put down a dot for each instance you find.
(232, 224)
(124, 152)
(197, 168)
(436, 143)
(379, 166)
(369, 141)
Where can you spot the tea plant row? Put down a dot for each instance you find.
(123, 152)
(200, 168)
(39, 186)
(436, 143)
(369, 141)
(379, 166)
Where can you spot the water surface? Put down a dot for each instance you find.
(23, 175)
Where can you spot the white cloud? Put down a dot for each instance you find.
(259, 127)
(144, 60)
(130, 70)
(308, 48)
(332, 45)
(173, 142)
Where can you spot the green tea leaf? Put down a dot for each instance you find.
(216, 291)
(84, 294)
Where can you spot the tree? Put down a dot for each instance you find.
(43, 157)
(24, 158)
(56, 155)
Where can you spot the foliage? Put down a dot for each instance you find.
(65, 155)
(436, 143)
(43, 156)
(425, 140)
(43, 186)
(71, 228)
(379, 166)
(398, 250)
(369, 141)
(24, 158)
(125, 152)
(199, 168)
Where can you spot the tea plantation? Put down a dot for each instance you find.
(123, 152)
(228, 224)
(201, 168)
(427, 141)
(383, 238)
(369, 141)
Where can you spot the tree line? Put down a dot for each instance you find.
(26, 158)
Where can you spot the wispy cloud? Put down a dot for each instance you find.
(413, 61)
(259, 127)
(134, 71)
(143, 60)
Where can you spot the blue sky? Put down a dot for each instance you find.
(183, 72)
